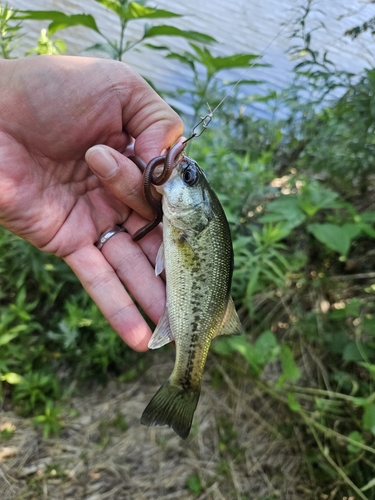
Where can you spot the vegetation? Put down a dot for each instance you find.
(298, 193)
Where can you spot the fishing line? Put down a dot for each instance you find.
(205, 120)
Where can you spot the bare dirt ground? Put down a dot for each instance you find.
(233, 452)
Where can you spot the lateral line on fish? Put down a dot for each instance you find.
(206, 119)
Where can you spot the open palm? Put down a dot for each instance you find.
(55, 110)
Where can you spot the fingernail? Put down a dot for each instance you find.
(101, 161)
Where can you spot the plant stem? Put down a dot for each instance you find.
(311, 422)
(334, 465)
(121, 49)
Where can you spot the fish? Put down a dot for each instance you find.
(197, 256)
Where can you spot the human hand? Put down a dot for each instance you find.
(52, 111)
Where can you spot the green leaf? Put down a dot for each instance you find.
(284, 208)
(215, 64)
(42, 15)
(352, 230)
(113, 5)
(245, 82)
(266, 346)
(234, 61)
(275, 232)
(369, 324)
(292, 402)
(253, 283)
(12, 378)
(291, 371)
(173, 31)
(129, 11)
(195, 484)
(355, 436)
(368, 216)
(85, 20)
(334, 237)
(354, 351)
(370, 484)
(369, 417)
(59, 19)
(336, 342)
(104, 47)
(315, 197)
(257, 355)
(5, 338)
(182, 59)
(353, 307)
(138, 11)
(6, 433)
(156, 47)
(367, 229)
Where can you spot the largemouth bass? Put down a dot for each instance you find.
(197, 256)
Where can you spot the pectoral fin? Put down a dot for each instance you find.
(162, 334)
(184, 240)
(231, 324)
(160, 263)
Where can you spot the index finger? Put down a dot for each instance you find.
(148, 118)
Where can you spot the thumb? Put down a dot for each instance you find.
(120, 177)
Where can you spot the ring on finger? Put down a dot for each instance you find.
(108, 234)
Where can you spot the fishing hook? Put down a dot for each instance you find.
(204, 122)
(150, 177)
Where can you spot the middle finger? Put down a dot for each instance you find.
(136, 272)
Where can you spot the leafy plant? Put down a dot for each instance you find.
(36, 388)
(194, 484)
(202, 62)
(50, 420)
(47, 46)
(126, 12)
(264, 350)
(10, 35)
(261, 263)
(46, 322)
(6, 434)
(368, 25)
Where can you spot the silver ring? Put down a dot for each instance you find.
(108, 234)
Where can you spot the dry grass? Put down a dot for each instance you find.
(234, 448)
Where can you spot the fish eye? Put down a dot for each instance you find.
(190, 175)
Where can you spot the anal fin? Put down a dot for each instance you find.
(162, 334)
(231, 324)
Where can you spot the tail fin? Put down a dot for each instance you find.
(174, 406)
